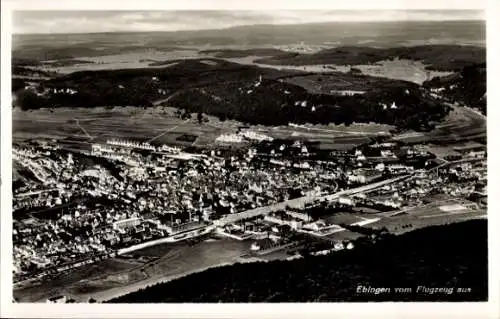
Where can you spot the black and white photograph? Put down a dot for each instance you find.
(247, 156)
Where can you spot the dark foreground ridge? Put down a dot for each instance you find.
(449, 257)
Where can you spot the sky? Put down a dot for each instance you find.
(49, 22)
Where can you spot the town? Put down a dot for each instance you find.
(74, 207)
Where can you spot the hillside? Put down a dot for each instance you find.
(467, 87)
(232, 53)
(437, 57)
(231, 90)
(277, 103)
(380, 34)
(439, 256)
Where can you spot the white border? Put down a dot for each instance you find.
(340, 310)
(246, 5)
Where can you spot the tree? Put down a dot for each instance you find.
(28, 100)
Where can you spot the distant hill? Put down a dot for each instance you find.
(376, 34)
(437, 57)
(234, 53)
(438, 256)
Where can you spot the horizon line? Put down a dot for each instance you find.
(248, 25)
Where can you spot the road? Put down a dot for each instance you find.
(301, 201)
(465, 160)
(168, 98)
(83, 130)
(167, 131)
(36, 192)
(311, 198)
(339, 131)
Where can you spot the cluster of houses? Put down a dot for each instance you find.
(243, 136)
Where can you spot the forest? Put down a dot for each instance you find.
(232, 91)
(467, 87)
(436, 57)
(437, 256)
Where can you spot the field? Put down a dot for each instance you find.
(159, 125)
(342, 218)
(397, 69)
(100, 124)
(439, 212)
(62, 282)
(130, 60)
(442, 151)
(461, 124)
(437, 57)
(117, 276)
(333, 82)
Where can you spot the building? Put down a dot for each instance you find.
(321, 226)
(229, 138)
(356, 179)
(400, 168)
(345, 201)
(127, 223)
(477, 154)
(251, 135)
(293, 223)
(298, 215)
(386, 153)
(347, 92)
(183, 227)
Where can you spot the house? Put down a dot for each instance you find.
(127, 223)
(345, 201)
(356, 179)
(298, 215)
(396, 168)
(293, 223)
(386, 153)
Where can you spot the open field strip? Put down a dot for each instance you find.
(445, 214)
(102, 123)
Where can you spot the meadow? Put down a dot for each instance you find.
(159, 125)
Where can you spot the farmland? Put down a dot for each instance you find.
(127, 60)
(330, 82)
(397, 69)
(160, 126)
(441, 212)
(437, 57)
(461, 124)
(100, 124)
(117, 276)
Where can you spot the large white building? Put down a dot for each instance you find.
(229, 138)
(251, 135)
(127, 223)
(132, 144)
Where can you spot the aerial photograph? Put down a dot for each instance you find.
(249, 156)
